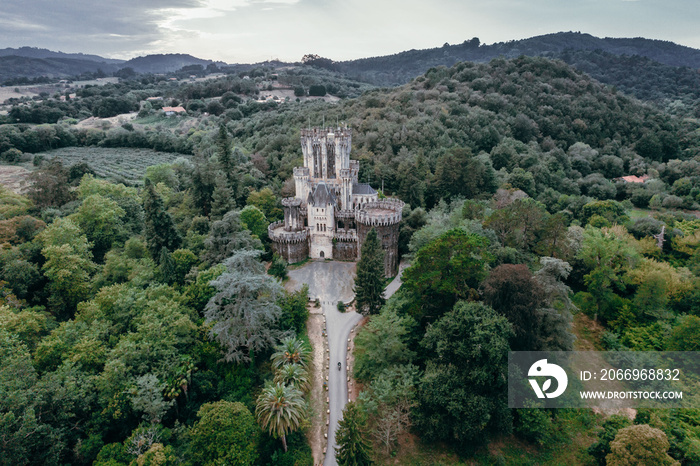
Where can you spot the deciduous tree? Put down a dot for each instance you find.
(446, 270)
(380, 344)
(640, 445)
(68, 265)
(512, 291)
(389, 400)
(226, 433)
(462, 395)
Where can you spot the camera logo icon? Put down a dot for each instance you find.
(542, 368)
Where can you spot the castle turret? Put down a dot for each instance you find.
(293, 220)
(345, 188)
(301, 182)
(384, 216)
(326, 151)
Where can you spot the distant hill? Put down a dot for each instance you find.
(642, 77)
(33, 62)
(164, 63)
(13, 66)
(33, 52)
(402, 67)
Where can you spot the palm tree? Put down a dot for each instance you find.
(280, 409)
(290, 351)
(293, 374)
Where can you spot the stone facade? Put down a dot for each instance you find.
(331, 213)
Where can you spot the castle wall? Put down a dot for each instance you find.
(384, 216)
(344, 250)
(321, 230)
(292, 252)
(389, 238)
(293, 246)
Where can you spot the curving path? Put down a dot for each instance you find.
(331, 282)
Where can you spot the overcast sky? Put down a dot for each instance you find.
(247, 31)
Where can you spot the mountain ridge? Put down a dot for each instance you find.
(36, 52)
(404, 66)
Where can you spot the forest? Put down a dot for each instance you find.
(145, 322)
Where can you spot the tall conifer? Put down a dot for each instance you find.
(354, 448)
(369, 284)
(222, 199)
(160, 229)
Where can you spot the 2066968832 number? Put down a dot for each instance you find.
(640, 374)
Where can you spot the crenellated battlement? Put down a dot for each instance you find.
(291, 202)
(320, 133)
(345, 235)
(380, 213)
(345, 214)
(277, 233)
(301, 171)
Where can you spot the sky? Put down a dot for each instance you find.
(249, 31)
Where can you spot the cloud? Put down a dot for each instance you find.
(78, 25)
(254, 30)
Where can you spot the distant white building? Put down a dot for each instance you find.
(174, 111)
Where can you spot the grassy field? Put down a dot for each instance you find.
(116, 164)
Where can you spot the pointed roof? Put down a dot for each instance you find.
(321, 196)
(362, 188)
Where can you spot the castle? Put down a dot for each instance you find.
(332, 212)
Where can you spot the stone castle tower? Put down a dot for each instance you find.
(331, 213)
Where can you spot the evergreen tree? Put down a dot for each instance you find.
(160, 229)
(167, 267)
(244, 313)
(223, 150)
(226, 236)
(369, 284)
(222, 199)
(203, 184)
(354, 448)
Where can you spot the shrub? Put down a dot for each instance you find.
(318, 90)
(11, 155)
(278, 267)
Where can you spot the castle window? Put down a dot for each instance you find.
(330, 152)
(317, 160)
